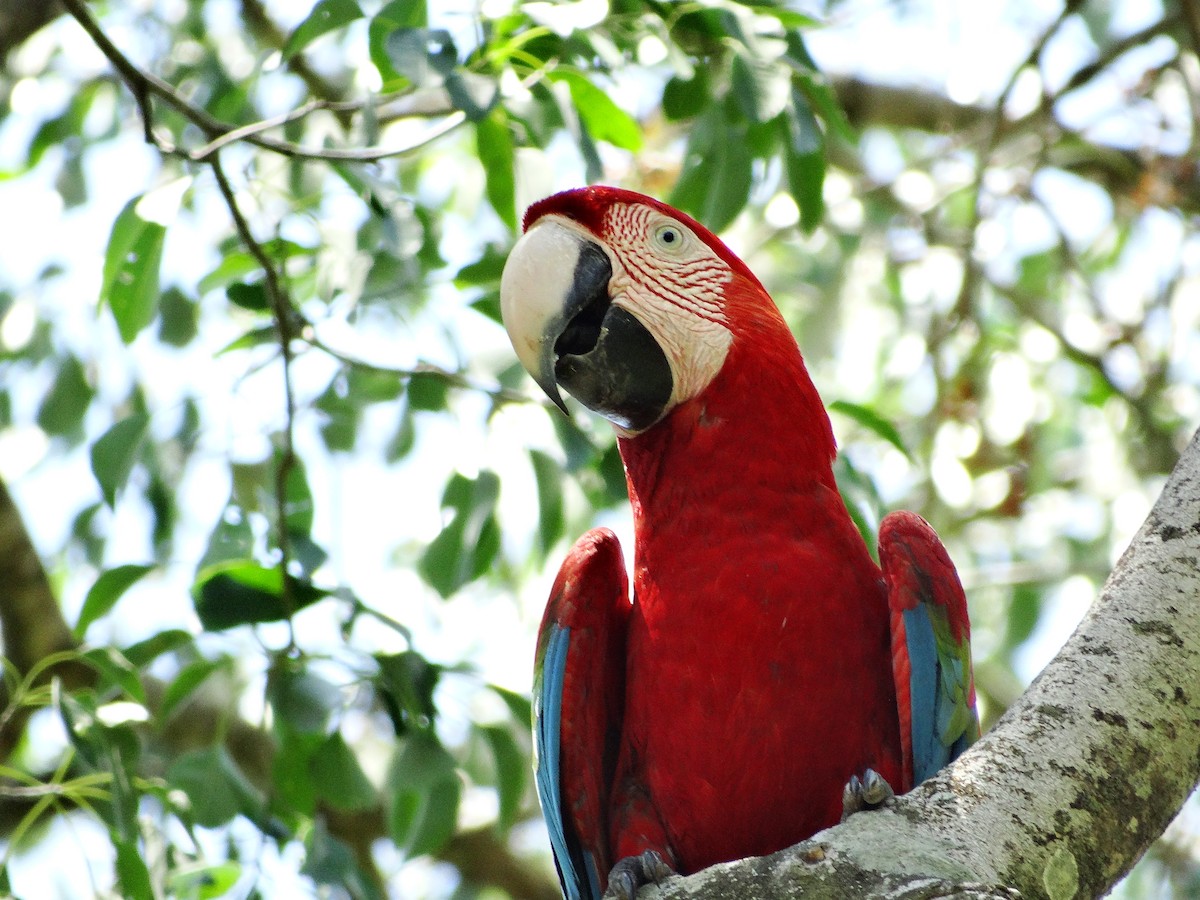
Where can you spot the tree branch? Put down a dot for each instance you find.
(21, 18)
(145, 86)
(1073, 783)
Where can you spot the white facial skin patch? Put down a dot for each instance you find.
(673, 283)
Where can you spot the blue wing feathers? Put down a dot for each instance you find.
(549, 768)
(932, 662)
(929, 754)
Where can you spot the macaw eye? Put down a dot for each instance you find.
(668, 237)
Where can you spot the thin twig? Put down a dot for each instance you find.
(1191, 18)
(145, 85)
(281, 309)
(500, 395)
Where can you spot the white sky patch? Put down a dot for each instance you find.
(1011, 403)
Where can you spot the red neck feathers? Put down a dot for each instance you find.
(760, 423)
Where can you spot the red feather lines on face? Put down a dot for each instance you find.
(589, 206)
(695, 287)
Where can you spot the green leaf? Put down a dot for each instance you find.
(144, 652)
(466, 547)
(178, 318)
(63, 409)
(326, 16)
(340, 412)
(405, 685)
(804, 161)
(428, 391)
(873, 422)
(495, 146)
(685, 99)
(822, 99)
(339, 778)
(215, 786)
(425, 793)
(511, 772)
(328, 861)
(857, 492)
(232, 538)
(474, 94)
(1024, 612)
(759, 87)
(715, 183)
(252, 296)
(114, 453)
(105, 592)
(185, 683)
(292, 784)
(604, 120)
(424, 56)
(399, 14)
(131, 266)
(484, 271)
(297, 499)
(240, 592)
(255, 337)
(132, 874)
(551, 521)
(203, 881)
(301, 699)
(519, 705)
(114, 669)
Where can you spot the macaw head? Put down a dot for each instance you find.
(630, 306)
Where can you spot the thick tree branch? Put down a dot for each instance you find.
(1074, 782)
(21, 18)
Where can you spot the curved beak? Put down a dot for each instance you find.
(555, 303)
(551, 275)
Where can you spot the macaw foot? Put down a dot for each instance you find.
(634, 872)
(869, 792)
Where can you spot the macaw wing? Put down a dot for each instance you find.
(931, 646)
(578, 692)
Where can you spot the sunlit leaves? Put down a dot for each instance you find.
(405, 685)
(106, 591)
(512, 771)
(467, 545)
(399, 15)
(494, 144)
(424, 794)
(114, 454)
(804, 160)
(716, 179)
(338, 777)
(216, 788)
(759, 87)
(548, 475)
(134, 256)
(62, 409)
(604, 120)
(242, 593)
(872, 421)
(326, 16)
(205, 881)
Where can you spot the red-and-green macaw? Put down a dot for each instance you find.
(767, 676)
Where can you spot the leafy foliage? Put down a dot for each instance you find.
(316, 472)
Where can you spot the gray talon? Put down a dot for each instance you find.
(870, 792)
(634, 872)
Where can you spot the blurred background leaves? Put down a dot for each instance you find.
(286, 509)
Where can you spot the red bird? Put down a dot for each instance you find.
(766, 676)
